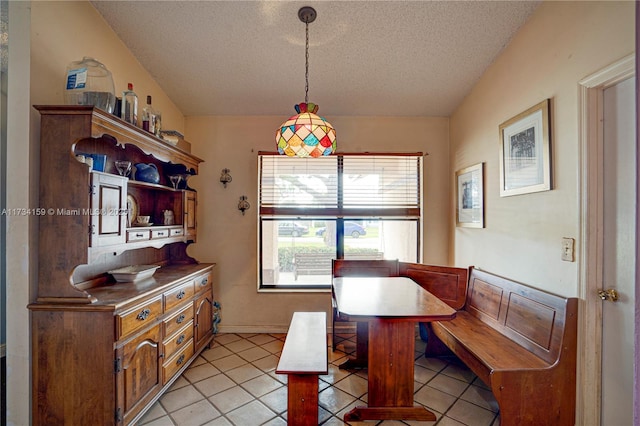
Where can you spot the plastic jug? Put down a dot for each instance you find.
(88, 82)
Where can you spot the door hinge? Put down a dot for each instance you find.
(118, 415)
(117, 365)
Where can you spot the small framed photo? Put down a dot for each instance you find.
(525, 161)
(470, 196)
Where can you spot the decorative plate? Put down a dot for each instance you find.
(132, 210)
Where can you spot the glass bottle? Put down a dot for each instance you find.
(129, 108)
(157, 124)
(151, 119)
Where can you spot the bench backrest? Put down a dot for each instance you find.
(535, 319)
(364, 268)
(449, 284)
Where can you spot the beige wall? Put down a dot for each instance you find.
(230, 239)
(562, 43)
(63, 32)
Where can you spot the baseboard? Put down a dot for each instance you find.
(252, 329)
(3, 350)
(275, 329)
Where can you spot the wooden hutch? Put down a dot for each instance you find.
(104, 351)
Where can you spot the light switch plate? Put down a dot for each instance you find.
(567, 249)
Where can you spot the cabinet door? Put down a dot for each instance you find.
(108, 209)
(140, 372)
(203, 326)
(190, 201)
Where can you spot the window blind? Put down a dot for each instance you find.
(341, 185)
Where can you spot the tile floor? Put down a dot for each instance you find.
(234, 383)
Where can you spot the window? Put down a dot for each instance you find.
(352, 206)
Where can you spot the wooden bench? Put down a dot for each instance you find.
(521, 342)
(320, 263)
(303, 358)
(447, 282)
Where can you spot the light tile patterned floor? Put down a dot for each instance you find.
(234, 383)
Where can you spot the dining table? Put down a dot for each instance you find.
(391, 307)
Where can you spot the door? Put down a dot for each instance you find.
(619, 255)
(139, 373)
(108, 204)
(203, 319)
(190, 215)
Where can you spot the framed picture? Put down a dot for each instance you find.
(470, 196)
(525, 161)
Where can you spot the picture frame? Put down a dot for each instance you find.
(525, 159)
(470, 196)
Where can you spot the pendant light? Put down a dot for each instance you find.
(306, 134)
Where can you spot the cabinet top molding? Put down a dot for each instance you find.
(104, 123)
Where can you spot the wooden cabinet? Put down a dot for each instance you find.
(104, 352)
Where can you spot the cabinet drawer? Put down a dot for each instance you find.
(174, 232)
(159, 233)
(176, 362)
(177, 341)
(180, 294)
(138, 235)
(202, 281)
(178, 319)
(139, 316)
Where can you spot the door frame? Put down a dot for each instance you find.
(589, 391)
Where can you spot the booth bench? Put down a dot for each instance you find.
(519, 340)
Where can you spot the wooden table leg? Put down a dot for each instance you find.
(391, 365)
(362, 348)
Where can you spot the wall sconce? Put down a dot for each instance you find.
(243, 204)
(225, 177)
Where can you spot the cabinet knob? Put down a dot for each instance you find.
(181, 339)
(204, 281)
(143, 314)
(180, 295)
(180, 319)
(180, 360)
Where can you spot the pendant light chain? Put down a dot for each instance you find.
(306, 69)
(306, 134)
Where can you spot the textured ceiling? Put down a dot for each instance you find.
(398, 58)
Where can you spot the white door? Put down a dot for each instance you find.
(619, 265)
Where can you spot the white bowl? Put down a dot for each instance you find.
(133, 273)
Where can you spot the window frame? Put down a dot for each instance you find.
(339, 213)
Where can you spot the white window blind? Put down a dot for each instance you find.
(341, 185)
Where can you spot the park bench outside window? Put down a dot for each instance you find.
(343, 206)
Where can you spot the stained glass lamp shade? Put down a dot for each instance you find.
(306, 134)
